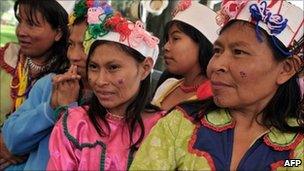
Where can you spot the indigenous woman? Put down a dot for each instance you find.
(104, 133)
(255, 119)
(42, 34)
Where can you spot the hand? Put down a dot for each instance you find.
(6, 157)
(65, 88)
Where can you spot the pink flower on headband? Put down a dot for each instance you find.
(93, 15)
(120, 25)
(181, 6)
(139, 35)
(229, 10)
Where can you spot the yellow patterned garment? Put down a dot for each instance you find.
(166, 148)
(8, 63)
(176, 142)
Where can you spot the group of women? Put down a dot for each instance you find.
(237, 106)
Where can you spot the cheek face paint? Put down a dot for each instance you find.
(243, 74)
(120, 81)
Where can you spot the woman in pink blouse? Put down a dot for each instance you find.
(105, 133)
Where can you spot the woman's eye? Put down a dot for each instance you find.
(92, 66)
(175, 38)
(216, 50)
(239, 52)
(113, 67)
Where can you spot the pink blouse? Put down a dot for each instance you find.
(76, 145)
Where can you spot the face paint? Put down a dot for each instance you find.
(120, 81)
(243, 74)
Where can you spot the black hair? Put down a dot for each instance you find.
(133, 113)
(287, 101)
(57, 17)
(205, 46)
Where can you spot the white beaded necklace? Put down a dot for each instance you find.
(39, 68)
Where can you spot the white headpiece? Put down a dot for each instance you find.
(277, 17)
(199, 16)
(103, 25)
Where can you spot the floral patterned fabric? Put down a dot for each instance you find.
(178, 143)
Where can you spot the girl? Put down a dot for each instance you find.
(188, 50)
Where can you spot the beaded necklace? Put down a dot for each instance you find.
(39, 68)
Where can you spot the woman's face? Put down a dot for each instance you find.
(75, 52)
(243, 71)
(181, 53)
(35, 39)
(114, 76)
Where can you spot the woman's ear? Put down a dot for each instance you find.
(58, 34)
(290, 67)
(147, 66)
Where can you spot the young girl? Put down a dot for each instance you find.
(105, 133)
(187, 52)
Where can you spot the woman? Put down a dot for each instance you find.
(188, 49)
(42, 35)
(255, 119)
(105, 133)
(43, 99)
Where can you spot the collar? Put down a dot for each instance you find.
(221, 120)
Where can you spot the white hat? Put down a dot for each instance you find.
(139, 39)
(279, 18)
(199, 16)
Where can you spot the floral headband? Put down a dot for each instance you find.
(279, 19)
(103, 25)
(79, 11)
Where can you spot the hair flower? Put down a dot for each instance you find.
(229, 10)
(96, 30)
(181, 6)
(119, 24)
(80, 9)
(139, 35)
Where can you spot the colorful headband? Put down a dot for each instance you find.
(199, 16)
(79, 11)
(115, 28)
(278, 18)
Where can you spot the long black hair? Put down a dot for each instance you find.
(287, 101)
(133, 114)
(57, 17)
(205, 46)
